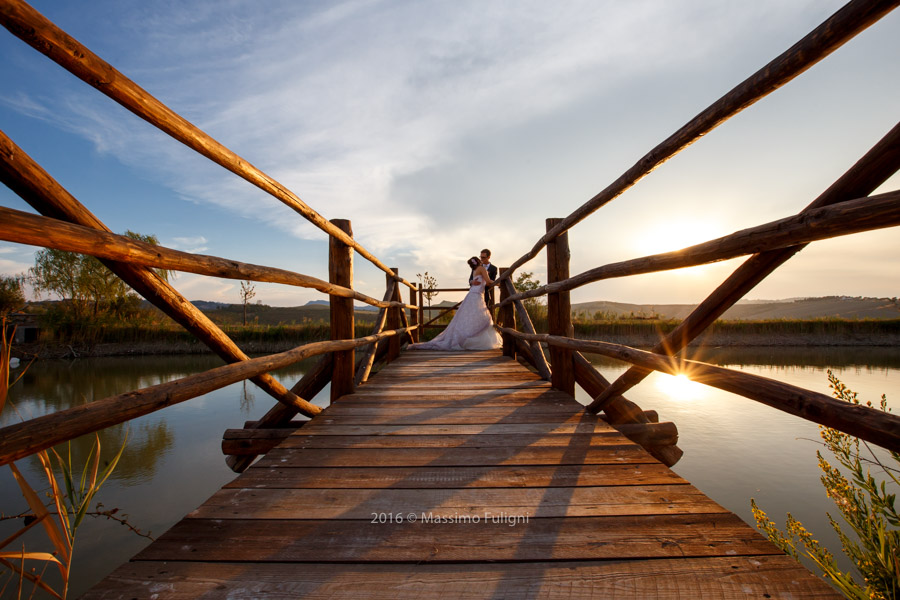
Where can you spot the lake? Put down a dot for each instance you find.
(734, 448)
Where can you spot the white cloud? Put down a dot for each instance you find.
(195, 244)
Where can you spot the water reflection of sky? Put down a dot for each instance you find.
(735, 448)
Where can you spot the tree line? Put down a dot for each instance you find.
(86, 288)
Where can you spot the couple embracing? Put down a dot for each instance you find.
(472, 327)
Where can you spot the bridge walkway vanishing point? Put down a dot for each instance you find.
(464, 476)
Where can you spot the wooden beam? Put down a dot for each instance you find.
(871, 171)
(366, 362)
(537, 354)
(343, 320)
(835, 31)
(312, 382)
(40, 433)
(845, 218)
(393, 323)
(869, 424)
(650, 434)
(34, 185)
(40, 33)
(621, 410)
(506, 317)
(559, 311)
(26, 228)
(244, 443)
(414, 315)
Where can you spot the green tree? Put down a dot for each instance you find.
(84, 284)
(525, 282)
(12, 295)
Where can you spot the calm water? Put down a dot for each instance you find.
(734, 448)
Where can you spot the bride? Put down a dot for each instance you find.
(471, 327)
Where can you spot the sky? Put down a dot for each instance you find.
(440, 128)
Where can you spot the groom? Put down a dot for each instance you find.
(492, 273)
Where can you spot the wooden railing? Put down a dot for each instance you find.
(68, 225)
(65, 224)
(846, 207)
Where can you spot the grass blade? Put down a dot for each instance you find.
(58, 498)
(37, 507)
(19, 533)
(45, 556)
(32, 578)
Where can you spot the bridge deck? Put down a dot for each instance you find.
(463, 476)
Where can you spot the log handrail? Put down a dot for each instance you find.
(835, 31)
(25, 228)
(845, 218)
(879, 427)
(67, 225)
(40, 33)
(869, 172)
(34, 185)
(40, 433)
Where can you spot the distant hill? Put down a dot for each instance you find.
(843, 307)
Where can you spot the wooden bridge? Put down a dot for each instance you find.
(469, 475)
(465, 476)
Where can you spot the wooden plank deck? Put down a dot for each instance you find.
(463, 476)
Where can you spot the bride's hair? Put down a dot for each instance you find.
(474, 262)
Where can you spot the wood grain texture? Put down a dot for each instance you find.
(297, 540)
(392, 486)
(431, 476)
(724, 578)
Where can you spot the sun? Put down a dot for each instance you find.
(680, 387)
(674, 235)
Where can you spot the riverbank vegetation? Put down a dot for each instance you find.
(863, 487)
(268, 330)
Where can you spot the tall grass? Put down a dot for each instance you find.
(67, 505)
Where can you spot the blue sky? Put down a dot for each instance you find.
(440, 128)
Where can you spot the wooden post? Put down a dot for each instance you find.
(393, 319)
(559, 311)
(413, 316)
(422, 317)
(340, 272)
(507, 318)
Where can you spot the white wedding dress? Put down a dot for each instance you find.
(471, 327)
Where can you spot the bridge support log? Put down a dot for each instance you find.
(506, 317)
(559, 311)
(414, 315)
(621, 411)
(364, 368)
(393, 319)
(340, 272)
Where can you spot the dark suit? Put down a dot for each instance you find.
(488, 292)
